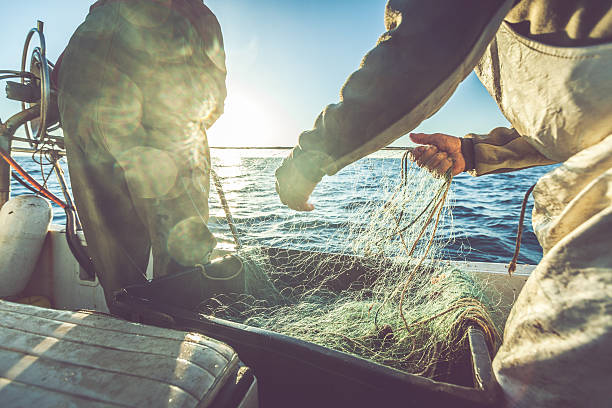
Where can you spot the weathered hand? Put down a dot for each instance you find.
(293, 188)
(442, 154)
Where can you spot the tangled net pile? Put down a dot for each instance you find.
(387, 297)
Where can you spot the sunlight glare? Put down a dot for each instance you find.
(250, 119)
(37, 351)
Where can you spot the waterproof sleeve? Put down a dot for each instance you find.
(500, 151)
(213, 67)
(428, 49)
(208, 30)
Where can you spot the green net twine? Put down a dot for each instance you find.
(387, 297)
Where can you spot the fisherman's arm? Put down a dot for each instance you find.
(500, 151)
(429, 48)
(213, 69)
(210, 70)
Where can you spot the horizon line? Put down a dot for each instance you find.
(291, 147)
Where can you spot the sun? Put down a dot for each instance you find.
(251, 120)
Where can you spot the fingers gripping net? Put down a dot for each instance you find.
(376, 287)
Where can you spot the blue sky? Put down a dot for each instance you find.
(286, 60)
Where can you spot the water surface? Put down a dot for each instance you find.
(486, 209)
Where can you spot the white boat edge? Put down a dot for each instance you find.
(58, 277)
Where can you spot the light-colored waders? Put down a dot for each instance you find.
(557, 348)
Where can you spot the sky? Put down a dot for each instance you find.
(286, 60)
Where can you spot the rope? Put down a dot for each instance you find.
(439, 201)
(225, 278)
(519, 233)
(23, 183)
(43, 191)
(59, 172)
(79, 252)
(226, 209)
(437, 209)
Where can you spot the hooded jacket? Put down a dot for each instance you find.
(427, 50)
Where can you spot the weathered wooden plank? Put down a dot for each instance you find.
(109, 323)
(91, 383)
(17, 394)
(165, 369)
(88, 359)
(200, 355)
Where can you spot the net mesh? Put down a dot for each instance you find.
(375, 286)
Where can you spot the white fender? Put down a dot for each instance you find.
(24, 221)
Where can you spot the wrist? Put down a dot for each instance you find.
(467, 151)
(306, 164)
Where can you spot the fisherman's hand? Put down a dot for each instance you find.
(442, 153)
(293, 188)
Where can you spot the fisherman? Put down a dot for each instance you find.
(547, 63)
(139, 84)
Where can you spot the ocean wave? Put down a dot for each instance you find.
(485, 212)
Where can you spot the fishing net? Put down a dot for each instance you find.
(369, 282)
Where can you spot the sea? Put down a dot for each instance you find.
(485, 209)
